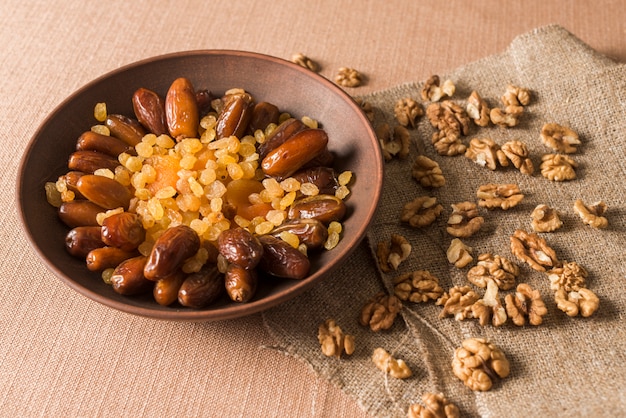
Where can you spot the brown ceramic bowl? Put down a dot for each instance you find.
(291, 87)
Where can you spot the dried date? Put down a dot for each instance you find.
(170, 251)
(282, 260)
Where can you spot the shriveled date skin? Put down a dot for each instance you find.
(282, 133)
(90, 161)
(263, 114)
(82, 239)
(235, 117)
(202, 288)
(323, 177)
(282, 260)
(324, 208)
(123, 230)
(181, 110)
(105, 192)
(149, 109)
(128, 130)
(240, 247)
(128, 278)
(310, 232)
(170, 251)
(240, 283)
(292, 155)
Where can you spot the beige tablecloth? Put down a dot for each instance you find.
(64, 355)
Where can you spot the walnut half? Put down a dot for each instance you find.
(435, 406)
(545, 219)
(503, 196)
(459, 254)
(418, 286)
(333, 341)
(464, 220)
(380, 312)
(407, 111)
(592, 215)
(526, 302)
(478, 363)
(421, 211)
(394, 367)
(493, 268)
(427, 172)
(534, 250)
(560, 138)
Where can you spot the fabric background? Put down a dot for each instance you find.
(64, 355)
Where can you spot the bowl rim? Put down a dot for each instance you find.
(229, 311)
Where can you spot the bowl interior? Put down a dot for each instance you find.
(290, 87)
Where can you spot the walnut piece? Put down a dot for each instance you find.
(486, 153)
(333, 341)
(464, 220)
(545, 219)
(508, 118)
(367, 108)
(452, 121)
(394, 367)
(391, 254)
(494, 268)
(306, 62)
(532, 249)
(490, 307)
(558, 167)
(393, 144)
(516, 96)
(518, 153)
(570, 276)
(560, 138)
(503, 196)
(427, 172)
(478, 109)
(592, 215)
(421, 211)
(407, 111)
(478, 363)
(582, 301)
(457, 302)
(435, 406)
(348, 77)
(433, 91)
(418, 286)
(380, 312)
(459, 254)
(525, 303)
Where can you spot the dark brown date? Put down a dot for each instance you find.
(79, 213)
(235, 117)
(149, 110)
(170, 251)
(127, 129)
(165, 290)
(105, 192)
(298, 150)
(282, 133)
(202, 288)
(324, 159)
(203, 99)
(263, 114)
(240, 247)
(240, 283)
(324, 178)
(90, 161)
(282, 260)
(325, 208)
(128, 278)
(123, 230)
(102, 258)
(109, 145)
(82, 239)
(181, 110)
(310, 232)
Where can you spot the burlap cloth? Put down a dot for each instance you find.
(565, 367)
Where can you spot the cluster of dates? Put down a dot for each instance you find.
(237, 260)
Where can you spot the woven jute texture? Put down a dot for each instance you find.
(564, 367)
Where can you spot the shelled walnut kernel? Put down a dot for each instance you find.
(517, 152)
(407, 111)
(421, 211)
(459, 254)
(486, 153)
(478, 363)
(503, 196)
(533, 250)
(592, 215)
(380, 312)
(558, 167)
(348, 77)
(418, 286)
(559, 138)
(508, 118)
(333, 341)
(494, 268)
(387, 363)
(366, 107)
(545, 219)
(478, 109)
(489, 307)
(306, 62)
(433, 91)
(516, 96)
(435, 406)
(394, 143)
(525, 303)
(464, 220)
(427, 172)
(571, 295)
(457, 302)
(391, 254)
(451, 121)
